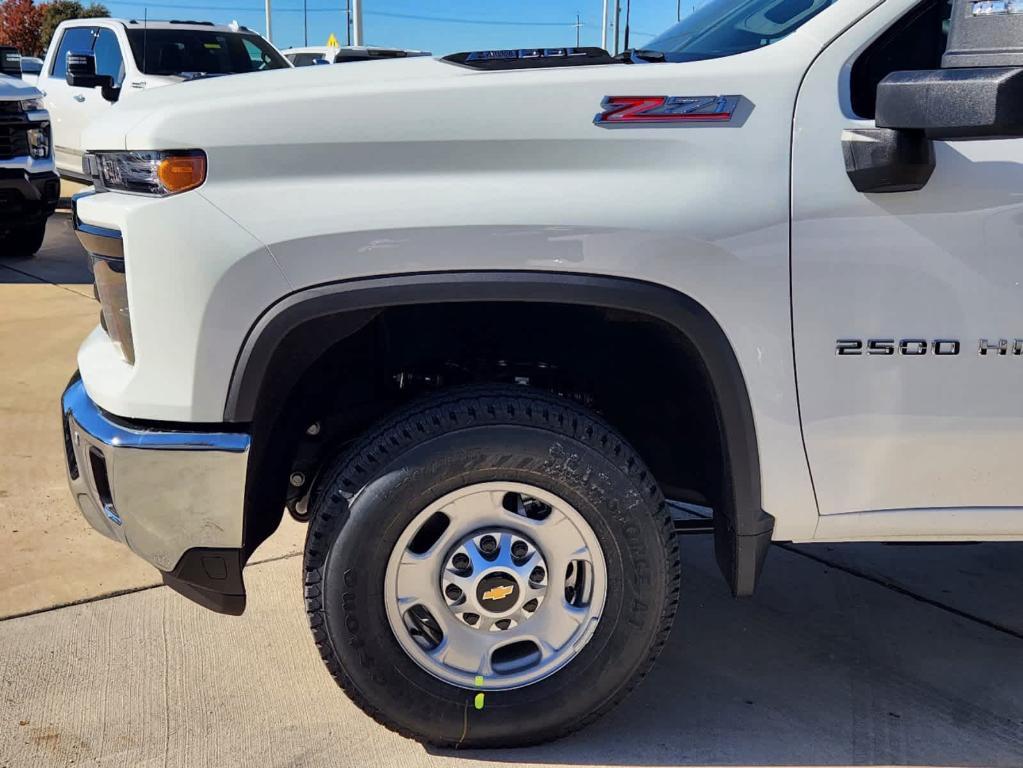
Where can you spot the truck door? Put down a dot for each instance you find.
(71, 109)
(907, 305)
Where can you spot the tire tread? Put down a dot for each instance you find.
(463, 408)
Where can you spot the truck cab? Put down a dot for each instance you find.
(29, 188)
(137, 56)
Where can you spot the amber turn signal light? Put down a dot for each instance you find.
(179, 173)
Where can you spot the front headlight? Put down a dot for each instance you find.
(32, 105)
(39, 142)
(149, 172)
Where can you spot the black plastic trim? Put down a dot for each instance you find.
(969, 103)
(884, 160)
(210, 577)
(742, 528)
(39, 193)
(530, 58)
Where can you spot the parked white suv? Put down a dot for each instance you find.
(137, 56)
(484, 314)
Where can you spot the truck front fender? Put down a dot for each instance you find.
(742, 529)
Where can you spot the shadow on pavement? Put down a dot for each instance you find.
(61, 260)
(821, 668)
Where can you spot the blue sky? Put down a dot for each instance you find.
(441, 26)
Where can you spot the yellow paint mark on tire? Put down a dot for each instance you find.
(478, 701)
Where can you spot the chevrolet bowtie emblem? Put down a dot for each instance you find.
(496, 593)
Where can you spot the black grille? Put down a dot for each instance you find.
(13, 142)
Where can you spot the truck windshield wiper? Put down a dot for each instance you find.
(630, 55)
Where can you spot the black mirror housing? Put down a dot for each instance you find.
(10, 61)
(81, 73)
(965, 103)
(81, 70)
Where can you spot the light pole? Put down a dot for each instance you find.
(604, 22)
(618, 21)
(628, 13)
(305, 22)
(356, 22)
(269, 24)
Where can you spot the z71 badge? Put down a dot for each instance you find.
(636, 111)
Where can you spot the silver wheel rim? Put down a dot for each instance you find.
(526, 628)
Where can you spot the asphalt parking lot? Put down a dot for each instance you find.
(849, 655)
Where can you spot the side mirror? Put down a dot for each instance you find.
(10, 61)
(81, 73)
(967, 103)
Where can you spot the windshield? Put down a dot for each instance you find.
(306, 59)
(174, 51)
(727, 27)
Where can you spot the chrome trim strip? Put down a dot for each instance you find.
(99, 240)
(88, 416)
(91, 229)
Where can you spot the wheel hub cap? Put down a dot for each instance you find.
(503, 584)
(495, 586)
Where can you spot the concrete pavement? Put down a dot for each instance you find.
(849, 655)
(820, 668)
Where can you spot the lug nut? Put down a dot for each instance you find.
(488, 545)
(471, 618)
(531, 605)
(519, 550)
(461, 562)
(537, 574)
(453, 592)
(297, 479)
(503, 623)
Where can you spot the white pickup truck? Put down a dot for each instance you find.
(130, 56)
(485, 314)
(29, 188)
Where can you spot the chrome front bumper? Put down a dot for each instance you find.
(163, 493)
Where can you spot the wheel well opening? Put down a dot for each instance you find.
(641, 374)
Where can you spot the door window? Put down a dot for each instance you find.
(305, 59)
(916, 41)
(258, 57)
(74, 39)
(108, 55)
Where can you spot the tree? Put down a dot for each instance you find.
(62, 10)
(21, 26)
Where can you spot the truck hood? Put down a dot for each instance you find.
(14, 88)
(309, 86)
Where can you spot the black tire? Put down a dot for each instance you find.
(370, 494)
(24, 241)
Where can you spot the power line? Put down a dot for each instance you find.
(414, 17)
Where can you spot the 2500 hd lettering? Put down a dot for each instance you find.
(479, 320)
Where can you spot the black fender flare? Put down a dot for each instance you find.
(742, 530)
